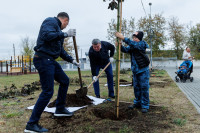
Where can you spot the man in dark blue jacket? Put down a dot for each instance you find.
(140, 68)
(99, 58)
(49, 47)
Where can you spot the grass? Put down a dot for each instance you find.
(19, 81)
(184, 117)
(160, 72)
(179, 122)
(125, 129)
(11, 103)
(104, 93)
(12, 114)
(88, 129)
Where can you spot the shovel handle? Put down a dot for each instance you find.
(77, 59)
(99, 75)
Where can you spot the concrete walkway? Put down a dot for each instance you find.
(190, 89)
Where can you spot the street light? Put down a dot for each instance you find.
(150, 34)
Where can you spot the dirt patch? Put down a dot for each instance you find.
(160, 83)
(155, 76)
(76, 81)
(124, 82)
(86, 76)
(29, 89)
(109, 112)
(167, 80)
(13, 91)
(73, 101)
(102, 118)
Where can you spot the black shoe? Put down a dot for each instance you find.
(34, 128)
(144, 110)
(97, 96)
(133, 106)
(111, 96)
(63, 112)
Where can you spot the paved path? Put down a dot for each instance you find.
(190, 89)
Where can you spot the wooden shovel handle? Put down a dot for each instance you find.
(99, 75)
(77, 59)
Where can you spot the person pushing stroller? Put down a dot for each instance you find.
(186, 68)
(187, 57)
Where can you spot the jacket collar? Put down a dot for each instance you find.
(59, 22)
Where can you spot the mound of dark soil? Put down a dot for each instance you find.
(108, 112)
(102, 119)
(73, 101)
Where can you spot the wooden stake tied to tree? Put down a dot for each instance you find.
(113, 5)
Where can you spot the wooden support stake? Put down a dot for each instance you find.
(22, 64)
(11, 62)
(30, 63)
(15, 63)
(18, 61)
(1, 67)
(119, 22)
(7, 67)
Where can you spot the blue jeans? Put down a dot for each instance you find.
(141, 89)
(48, 71)
(109, 74)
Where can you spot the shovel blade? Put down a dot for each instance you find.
(81, 92)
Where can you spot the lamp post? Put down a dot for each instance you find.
(198, 38)
(150, 35)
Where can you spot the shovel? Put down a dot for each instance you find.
(83, 90)
(79, 92)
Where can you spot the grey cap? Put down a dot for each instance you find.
(96, 41)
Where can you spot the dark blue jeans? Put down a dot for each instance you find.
(109, 74)
(141, 89)
(48, 71)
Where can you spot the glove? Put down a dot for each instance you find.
(111, 59)
(76, 63)
(70, 33)
(95, 78)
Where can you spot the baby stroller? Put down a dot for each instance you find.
(184, 72)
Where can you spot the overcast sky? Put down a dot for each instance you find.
(21, 18)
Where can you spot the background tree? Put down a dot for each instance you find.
(27, 46)
(165, 32)
(68, 47)
(158, 25)
(177, 35)
(128, 28)
(194, 40)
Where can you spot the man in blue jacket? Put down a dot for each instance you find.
(49, 47)
(140, 69)
(99, 58)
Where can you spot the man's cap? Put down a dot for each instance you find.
(139, 35)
